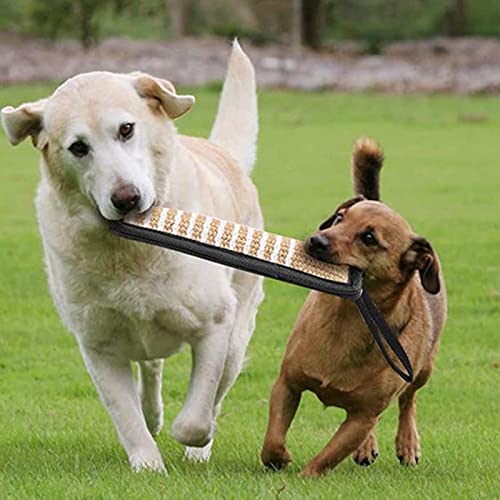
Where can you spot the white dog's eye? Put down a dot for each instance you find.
(79, 149)
(126, 131)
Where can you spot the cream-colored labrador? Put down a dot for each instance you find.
(109, 146)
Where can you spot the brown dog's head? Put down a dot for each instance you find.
(370, 236)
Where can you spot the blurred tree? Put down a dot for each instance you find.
(144, 19)
(87, 10)
(308, 22)
(307, 18)
(483, 17)
(120, 5)
(312, 18)
(177, 11)
(11, 17)
(70, 17)
(273, 18)
(296, 28)
(455, 18)
(379, 21)
(228, 18)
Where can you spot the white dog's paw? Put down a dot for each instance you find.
(153, 462)
(193, 432)
(194, 454)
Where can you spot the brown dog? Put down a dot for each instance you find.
(331, 351)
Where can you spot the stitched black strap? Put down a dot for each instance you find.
(352, 290)
(379, 328)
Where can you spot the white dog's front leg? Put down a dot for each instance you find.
(117, 390)
(195, 426)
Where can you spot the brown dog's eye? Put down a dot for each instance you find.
(126, 131)
(79, 149)
(368, 239)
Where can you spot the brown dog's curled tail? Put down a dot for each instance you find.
(367, 160)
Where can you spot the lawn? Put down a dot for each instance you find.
(442, 174)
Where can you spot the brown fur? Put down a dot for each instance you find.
(331, 351)
(367, 161)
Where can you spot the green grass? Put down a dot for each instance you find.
(442, 174)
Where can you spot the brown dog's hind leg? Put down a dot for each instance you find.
(367, 453)
(283, 406)
(350, 435)
(407, 438)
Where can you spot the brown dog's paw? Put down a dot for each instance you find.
(408, 447)
(311, 471)
(367, 453)
(276, 459)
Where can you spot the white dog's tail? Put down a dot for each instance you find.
(236, 124)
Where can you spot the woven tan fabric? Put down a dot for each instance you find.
(238, 238)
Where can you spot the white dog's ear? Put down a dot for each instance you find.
(25, 120)
(164, 92)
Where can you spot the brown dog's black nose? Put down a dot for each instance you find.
(317, 246)
(125, 198)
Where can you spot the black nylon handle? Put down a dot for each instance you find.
(353, 290)
(378, 327)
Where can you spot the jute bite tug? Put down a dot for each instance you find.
(260, 252)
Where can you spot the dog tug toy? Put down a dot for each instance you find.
(267, 254)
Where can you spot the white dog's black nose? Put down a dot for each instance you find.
(125, 198)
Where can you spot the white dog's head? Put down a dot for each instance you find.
(100, 135)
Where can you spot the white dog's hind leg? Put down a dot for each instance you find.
(116, 386)
(150, 382)
(194, 426)
(249, 289)
(251, 295)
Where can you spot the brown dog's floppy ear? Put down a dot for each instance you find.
(23, 121)
(421, 256)
(328, 222)
(162, 91)
(344, 206)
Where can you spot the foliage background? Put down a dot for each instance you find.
(372, 21)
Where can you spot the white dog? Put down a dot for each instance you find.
(108, 147)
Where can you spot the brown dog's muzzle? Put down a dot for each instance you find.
(318, 246)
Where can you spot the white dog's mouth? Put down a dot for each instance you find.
(114, 214)
(121, 216)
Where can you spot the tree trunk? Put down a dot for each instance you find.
(457, 19)
(311, 23)
(177, 14)
(296, 28)
(87, 32)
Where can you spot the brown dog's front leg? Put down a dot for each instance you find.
(350, 435)
(283, 405)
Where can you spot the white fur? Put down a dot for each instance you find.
(126, 301)
(237, 118)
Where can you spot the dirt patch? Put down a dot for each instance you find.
(462, 66)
